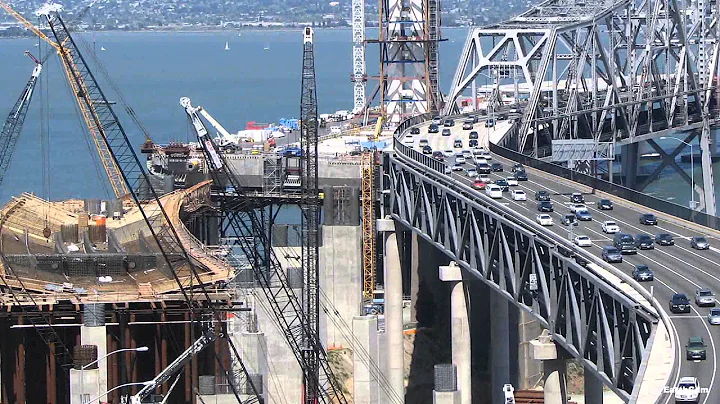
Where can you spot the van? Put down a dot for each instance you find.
(625, 243)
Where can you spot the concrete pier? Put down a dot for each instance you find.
(554, 369)
(365, 377)
(593, 388)
(393, 309)
(460, 329)
(500, 343)
(254, 349)
(445, 389)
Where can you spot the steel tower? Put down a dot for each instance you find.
(359, 76)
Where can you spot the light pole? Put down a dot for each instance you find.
(692, 168)
(82, 369)
(146, 383)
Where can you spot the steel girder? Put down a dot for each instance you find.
(590, 318)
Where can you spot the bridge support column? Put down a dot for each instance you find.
(445, 389)
(593, 388)
(414, 275)
(459, 329)
(554, 369)
(393, 309)
(630, 159)
(500, 343)
(365, 377)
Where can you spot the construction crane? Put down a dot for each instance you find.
(250, 236)
(14, 122)
(79, 93)
(368, 223)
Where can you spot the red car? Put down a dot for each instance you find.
(478, 184)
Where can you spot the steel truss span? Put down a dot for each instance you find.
(589, 317)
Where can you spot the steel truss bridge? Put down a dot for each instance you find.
(599, 72)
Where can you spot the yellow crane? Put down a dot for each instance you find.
(77, 83)
(367, 202)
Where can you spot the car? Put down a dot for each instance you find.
(446, 132)
(695, 349)
(583, 215)
(438, 155)
(414, 130)
(457, 144)
(610, 227)
(448, 153)
(664, 239)
(577, 197)
(502, 184)
(704, 297)
(447, 170)
(486, 155)
(644, 242)
(471, 172)
(434, 128)
(484, 168)
(472, 142)
(699, 243)
(714, 316)
(467, 154)
(544, 206)
(489, 123)
(648, 219)
(459, 159)
(577, 206)
(625, 243)
(496, 167)
(679, 303)
(473, 135)
(518, 195)
(517, 167)
(521, 175)
(478, 184)
(542, 196)
(544, 220)
(477, 151)
(611, 254)
(687, 390)
(511, 181)
(467, 126)
(457, 167)
(642, 273)
(605, 204)
(436, 120)
(568, 219)
(427, 150)
(423, 143)
(449, 123)
(409, 139)
(485, 178)
(582, 241)
(493, 191)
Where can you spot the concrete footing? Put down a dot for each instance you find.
(446, 397)
(460, 330)
(554, 369)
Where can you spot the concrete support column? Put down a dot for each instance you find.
(393, 309)
(95, 381)
(254, 356)
(630, 159)
(414, 275)
(446, 397)
(593, 388)
(459, 329)
(365, 375)
(500, 343)
(554, 369)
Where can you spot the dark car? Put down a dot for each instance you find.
(699, 243)
(472, 143)
(611, 254)
(518, 167)
(542, 196)
(438, 155)
(446, 132)
(644, 242)
(457, 143)
(415, 131)
(473, 135)
(568, 219)
(545, 206)
(642, 273)
(521, 175)
(449, 123)
(577, 197)
(664, 239)
(625, 243)
(503, 184)
(679, 303)
(605, 204)
(496, 167)
(583, 215)
(484, 168)
(433, 128)
(427, 150)
(695, 349)
(648, 219)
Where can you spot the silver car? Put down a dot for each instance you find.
(704, 297)
(714, 317)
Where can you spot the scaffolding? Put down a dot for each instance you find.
(368, 224)
(272, 178)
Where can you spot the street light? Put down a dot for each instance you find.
(692, 167)
(146, 383)
(82, 369)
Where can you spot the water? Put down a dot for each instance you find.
(153, 70)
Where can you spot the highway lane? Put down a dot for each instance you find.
(677, 268)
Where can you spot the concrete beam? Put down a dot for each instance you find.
(460, 329)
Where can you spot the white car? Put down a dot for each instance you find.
(487, 156)
(576, 207)
(478, 151)
(610, 227)
(467, 153)
(457, 167)
(480, 161)
(493, 191)
(485, 178)
(544, 220)
(512, 182)
(687, 390)
(471, 172)
(518, 195)
(459, 159)
(448, 170)
(408, 139)
(582, 241)
(448, 153)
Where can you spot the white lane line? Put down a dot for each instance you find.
(686, 317)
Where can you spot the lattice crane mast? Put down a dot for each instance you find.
(287, 310)
(79, 92)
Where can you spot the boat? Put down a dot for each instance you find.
(267, 47)
(102, 48)
(239, 33)
(227, 46)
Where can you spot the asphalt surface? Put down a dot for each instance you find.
(677, 269)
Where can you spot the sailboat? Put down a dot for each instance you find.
(267, 47)
(102, 48)
(227, 46)
(239, 33)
